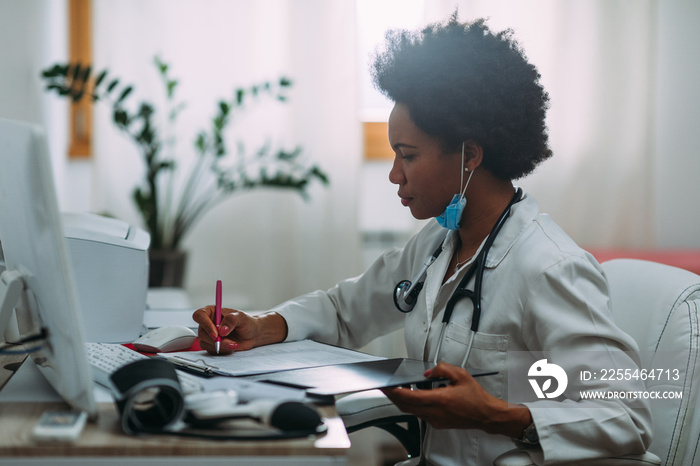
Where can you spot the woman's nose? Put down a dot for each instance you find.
(396, 175)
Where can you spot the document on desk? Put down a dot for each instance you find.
(271, 358)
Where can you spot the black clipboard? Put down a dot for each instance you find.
(339, 379)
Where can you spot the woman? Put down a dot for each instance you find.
(468, 120)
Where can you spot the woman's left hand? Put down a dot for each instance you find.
(462, 404)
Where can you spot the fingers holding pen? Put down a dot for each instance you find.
(237, 330)
(205, 318)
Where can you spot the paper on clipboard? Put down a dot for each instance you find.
(271, 358)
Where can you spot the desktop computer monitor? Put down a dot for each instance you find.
(38, 280)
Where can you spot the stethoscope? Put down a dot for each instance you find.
(407, 291)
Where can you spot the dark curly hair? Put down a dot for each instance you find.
(462, 82)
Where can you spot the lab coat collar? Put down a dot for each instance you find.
(521, 215)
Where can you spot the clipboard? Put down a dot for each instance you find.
(338, 379)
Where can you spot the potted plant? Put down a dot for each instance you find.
(170, 213)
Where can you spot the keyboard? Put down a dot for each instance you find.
(105, 358)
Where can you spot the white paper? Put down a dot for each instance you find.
(273, 358)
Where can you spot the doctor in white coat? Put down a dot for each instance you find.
(468, 120)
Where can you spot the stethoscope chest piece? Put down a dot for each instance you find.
(402, 300)
(406, 291)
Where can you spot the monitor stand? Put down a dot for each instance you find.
(28, 384)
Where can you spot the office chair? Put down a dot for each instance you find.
(655, 304)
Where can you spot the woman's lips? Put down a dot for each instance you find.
(405, 201)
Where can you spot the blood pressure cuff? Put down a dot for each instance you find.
(148, 395)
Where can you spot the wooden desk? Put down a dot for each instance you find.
(103, 441)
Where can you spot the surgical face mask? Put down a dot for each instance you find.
(452, 215)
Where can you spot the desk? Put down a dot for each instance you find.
(104, 442)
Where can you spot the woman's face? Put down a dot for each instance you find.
(427, 178)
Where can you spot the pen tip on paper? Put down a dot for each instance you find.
(218, 345)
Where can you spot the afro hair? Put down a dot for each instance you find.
(462, 82)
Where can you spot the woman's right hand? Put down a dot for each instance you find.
(238, 330)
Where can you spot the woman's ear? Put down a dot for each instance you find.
(473, 155)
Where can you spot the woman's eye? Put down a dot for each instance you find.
(407, 157)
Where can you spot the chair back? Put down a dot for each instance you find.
(657, 305)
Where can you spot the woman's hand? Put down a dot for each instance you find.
(463, 404)
(238, 330)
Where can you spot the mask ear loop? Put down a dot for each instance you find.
(461, 176)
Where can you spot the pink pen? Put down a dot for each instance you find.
(218, 315)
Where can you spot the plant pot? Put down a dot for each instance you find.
(166, 268)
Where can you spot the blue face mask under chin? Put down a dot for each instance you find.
(452, 215)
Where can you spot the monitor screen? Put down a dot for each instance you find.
(36, 259)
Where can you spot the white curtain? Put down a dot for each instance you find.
(266, 246)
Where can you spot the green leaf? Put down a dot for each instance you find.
(124, 94)
(121, 118)
(86, 74)
(112, 85)
(162, 67)
(100, 78)
(76, 72)
(316, 171)
(146, 110)
(224, 107)
(171, 87)
(53, 72)
(54, 87)
(218, 123)
(201, 142)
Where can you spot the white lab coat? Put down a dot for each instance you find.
(541, 292)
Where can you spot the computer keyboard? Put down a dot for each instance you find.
(105, 358)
